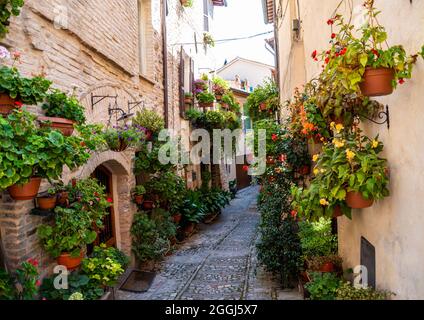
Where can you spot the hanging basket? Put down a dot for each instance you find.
(122, 146)
(377, 82)
(205, 104)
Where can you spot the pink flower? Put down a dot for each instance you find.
(110, 200)
(38, 283)
(16, 55)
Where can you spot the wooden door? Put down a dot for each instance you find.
(107, 233)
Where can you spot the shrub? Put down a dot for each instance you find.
(323, 286)
(348, 292)
(316, 238)
(58, 104)
(150, 120)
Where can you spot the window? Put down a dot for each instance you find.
(206, 15)
(142, 44)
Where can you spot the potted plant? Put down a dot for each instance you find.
(151, 121)
(48, 201)
(119, 138)
(362, 63)
(201, 85)
(138, 194)
(62, 112)
(205, 99)
(208, 40)
(264, 101)
(187, 3)
(188, 98)
(68, 237)
(323, 286)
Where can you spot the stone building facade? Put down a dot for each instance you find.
(100, 48)
(392, 226)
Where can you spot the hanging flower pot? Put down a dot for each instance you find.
(69, 262)
(356, 200)
(218, 97)
(27, 191)
(63, 125)
(188, 100)
(327, 267)
(122, 146)
(46, 203)
(377, 82)
(7, 104)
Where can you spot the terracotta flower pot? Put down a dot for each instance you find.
(188, 100)
(63, 125)
(205, 104)
(70, 263)
(177, 218)
(356, 200)
(139, 199)
(337, 212)
(377, 82)
(224, 105)
(46, 203)
(27, 191)
(62, 198)
(147, 204)
(327, 267)
(7, 104)
(189, 228)
(218, 97)
(262, 106)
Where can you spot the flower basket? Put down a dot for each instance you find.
(46, 203)
(377, 82)
(356, 200)
(63, 125)
(27, 191)
(69, 262)
(7, 104)
(122, 146)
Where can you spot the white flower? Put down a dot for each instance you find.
(4, 53)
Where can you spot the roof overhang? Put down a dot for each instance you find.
(268, 10)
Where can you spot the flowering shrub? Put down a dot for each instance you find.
(26, 276)
(264, 101)
(121, 137)
(150, 120)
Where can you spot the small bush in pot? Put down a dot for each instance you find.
(347, 291)
(323, 286)
(205, 99)
(150, 120)
(316, 238)
(58, 104)
(119, 138)
(138, 194)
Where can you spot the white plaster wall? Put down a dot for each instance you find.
(394, 225)
(253, 72)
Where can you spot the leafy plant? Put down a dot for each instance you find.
(317, 239)
(264, 101)
(348, 292)
(26, 90)
(208, 40)
(150, 120)
(120, 137)
(315, 263)
(58, 104)
(25, 278)
(187, 3)
(205, 97)
(192, 207)
(139, 190)
(103, 267)
(147, 161)
(7, 9)
(323, 286)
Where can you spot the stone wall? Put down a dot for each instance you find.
(393, 225)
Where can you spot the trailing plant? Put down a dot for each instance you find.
(264, 101)
(22, 284)
(58, 104)
(24, 90)
(147, 160)
(208, 40)
(348, 292)
(150, 120)
(323, 286)
(121, 137)
(205, 97)
(7, 9)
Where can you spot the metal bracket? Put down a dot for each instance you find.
(97, 99)
(383, 115)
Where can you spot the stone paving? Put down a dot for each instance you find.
(218, 262)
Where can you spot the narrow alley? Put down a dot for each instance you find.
(219, 262)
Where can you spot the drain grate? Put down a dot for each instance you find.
(138, 281)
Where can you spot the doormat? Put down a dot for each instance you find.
(138, 281)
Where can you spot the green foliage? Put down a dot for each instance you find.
(77, 282)
(230, 100)
(103, 267)
(348, 292)
(118, 136)
(187, 3)
(218, 81)
(147, 161)
(7, 9)
(205, 97)
(208, 40)
(27, 90)
(139, 190)
(25, 278)
(58, 104)
(263, 102)
(323, 286)
(279, 246)
(150, 120)
(168, 186)
(26, 150)
(148, 242)
(317, 239)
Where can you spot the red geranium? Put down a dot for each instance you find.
(18, 104)
(245, 168)
(274, 137)
(330, 22)
(293, 213)
(110, 200)
(401, 81)
(314, 55)
(333, 35)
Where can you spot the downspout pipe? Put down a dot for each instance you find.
(276, 41)
(165, 65)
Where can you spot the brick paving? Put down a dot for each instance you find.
(218, 262)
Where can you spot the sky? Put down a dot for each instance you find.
(239, 19)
